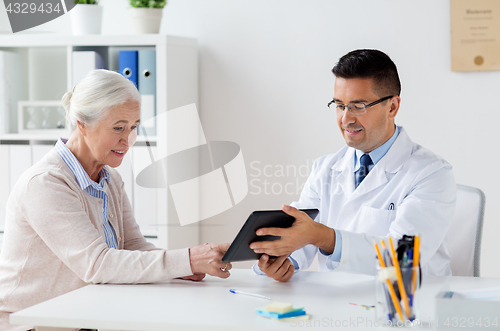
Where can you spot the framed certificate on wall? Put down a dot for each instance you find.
(475, 35)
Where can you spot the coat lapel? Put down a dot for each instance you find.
(343, 172)
(392, 162)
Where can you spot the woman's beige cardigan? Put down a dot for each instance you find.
(54, 240)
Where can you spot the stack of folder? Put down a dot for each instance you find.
(282, 311)
(139, 66)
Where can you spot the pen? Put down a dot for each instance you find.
(249, 294)
(402, 291)
(386, 255)
(407, 274)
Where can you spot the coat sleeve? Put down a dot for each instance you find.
(309, 198)
(57, 215)
(427, 210)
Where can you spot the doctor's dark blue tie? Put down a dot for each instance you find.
(364, 161)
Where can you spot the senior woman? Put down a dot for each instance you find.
(69, 222)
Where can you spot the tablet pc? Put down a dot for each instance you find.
(240, 248)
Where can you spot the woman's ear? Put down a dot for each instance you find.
(81, 127)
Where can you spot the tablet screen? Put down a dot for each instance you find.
(240, 248)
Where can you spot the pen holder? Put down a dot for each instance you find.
(394, 307)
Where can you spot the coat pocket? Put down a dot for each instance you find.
(376, 221)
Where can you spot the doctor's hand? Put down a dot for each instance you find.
(304, 231)
(280, 268)
(207, 259)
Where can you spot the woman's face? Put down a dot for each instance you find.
(110, 139)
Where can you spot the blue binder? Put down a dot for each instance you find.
(147, 88)
(147, 71)
(127, 65)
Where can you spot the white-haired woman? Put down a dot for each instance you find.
(69, 222)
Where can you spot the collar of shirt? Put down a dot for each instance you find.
(81, 176)
(378, 153)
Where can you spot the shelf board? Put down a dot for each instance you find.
(51, 137)
(57, 40)
(28, 137)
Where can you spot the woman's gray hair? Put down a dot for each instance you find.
(94, 95)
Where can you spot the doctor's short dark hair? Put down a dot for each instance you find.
(370, 63)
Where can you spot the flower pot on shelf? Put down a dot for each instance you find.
(86, 19)
(146, 20)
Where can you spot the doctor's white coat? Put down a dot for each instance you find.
(409, 191)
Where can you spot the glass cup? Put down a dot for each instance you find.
(46, 115)
(61, 120)
(32, 119)
(394, 307)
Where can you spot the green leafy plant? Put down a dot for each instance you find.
(86, 2)
(147, 3)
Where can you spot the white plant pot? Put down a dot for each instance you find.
(146, 20)
(86, 19)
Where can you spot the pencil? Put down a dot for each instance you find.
(401, 285)
(389, 285)
(416, 257)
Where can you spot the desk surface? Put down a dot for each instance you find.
(208, 305)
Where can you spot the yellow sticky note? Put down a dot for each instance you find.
(279, 307)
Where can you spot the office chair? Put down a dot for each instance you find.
(466, 228)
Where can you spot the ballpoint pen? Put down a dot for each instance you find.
(249, 294)
(386, 255)
(391, 309)
(408, 275)
(402, 290)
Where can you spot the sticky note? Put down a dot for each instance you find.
(279, 307)
(268, 314)
(295, 318)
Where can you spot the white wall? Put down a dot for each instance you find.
(265, 80)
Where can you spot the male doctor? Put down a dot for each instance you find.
(380, 185)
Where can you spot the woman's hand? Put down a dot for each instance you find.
(194, 278)
(207, 259)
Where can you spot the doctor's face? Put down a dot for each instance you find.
(370, 130)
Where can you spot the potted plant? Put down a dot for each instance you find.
(146, 15)
(86, 17)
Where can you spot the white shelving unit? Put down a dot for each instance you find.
(46, 73)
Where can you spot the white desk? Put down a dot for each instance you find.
(208, 305)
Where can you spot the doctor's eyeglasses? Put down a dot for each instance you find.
(355, 108)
